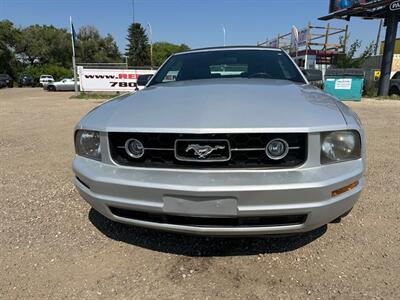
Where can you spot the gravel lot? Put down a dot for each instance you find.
(52, 245)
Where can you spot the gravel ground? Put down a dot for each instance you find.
(52, 245)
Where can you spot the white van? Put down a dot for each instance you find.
(45, 80)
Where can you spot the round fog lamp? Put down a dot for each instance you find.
(134, 148)
(277, 149)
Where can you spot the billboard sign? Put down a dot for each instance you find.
(304, 36)
(110, 80)
(295, 38)
(300, 37)
(336, 5)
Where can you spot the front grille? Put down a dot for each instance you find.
(280, 220)
(246, 150)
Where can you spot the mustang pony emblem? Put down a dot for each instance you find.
(203, 151)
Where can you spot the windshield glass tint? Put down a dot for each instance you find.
(245, 64)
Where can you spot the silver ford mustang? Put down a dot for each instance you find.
(222, 141)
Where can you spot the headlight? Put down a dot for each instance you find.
(340, 146)
(87, 144)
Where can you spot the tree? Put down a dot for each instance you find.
(93, 48)
(138, 49)
(42, 44)
(8, 38)
(41, 49)
(163, 50)
(348, 60)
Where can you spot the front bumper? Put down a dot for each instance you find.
(232, 193)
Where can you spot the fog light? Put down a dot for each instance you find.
(134, 148)
(344, 189)
(277, 149)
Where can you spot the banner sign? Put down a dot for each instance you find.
(304, 36)
(294, 42)
(97, 80)
(299, 38)
(336, 5)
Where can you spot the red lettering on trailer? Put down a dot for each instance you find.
(127, 76)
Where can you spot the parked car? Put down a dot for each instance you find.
(6, 80)
(239, 143)
(45, 80)
(394, 88)
(2, 84)
(142, 80)
(66, 84)
(26, 80)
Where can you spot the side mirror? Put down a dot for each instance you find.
(313, 75)
(143, 79)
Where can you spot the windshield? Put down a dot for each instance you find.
(269, 64)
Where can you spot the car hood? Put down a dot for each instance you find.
(219, 105)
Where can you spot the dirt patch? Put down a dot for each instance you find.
(52, 245)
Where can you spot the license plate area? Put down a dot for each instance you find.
(200, 206)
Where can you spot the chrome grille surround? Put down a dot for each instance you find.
(246, 150)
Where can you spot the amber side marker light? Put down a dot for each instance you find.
(344, 189)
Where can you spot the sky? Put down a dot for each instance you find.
(197, 23)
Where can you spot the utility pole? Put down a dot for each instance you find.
(392, 22)
(378, 38)
(346, 39)
(224, 32)
(151, 44)
(133, 11)
(133, 25)
(73, 36)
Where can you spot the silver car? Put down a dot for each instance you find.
(66, 84)
(237, 142)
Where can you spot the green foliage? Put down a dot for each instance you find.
(56, 71)
(138, 49)
(348, 59)
(370, 88)
(92, 48)
(8, 38)
(42, 44)
(162, 50)
(43, 49)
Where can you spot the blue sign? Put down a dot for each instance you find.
(336, 5)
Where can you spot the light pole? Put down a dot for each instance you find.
(133, 11)
(151, 44)
(224, 31)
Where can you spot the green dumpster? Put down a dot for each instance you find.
(345, 84)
